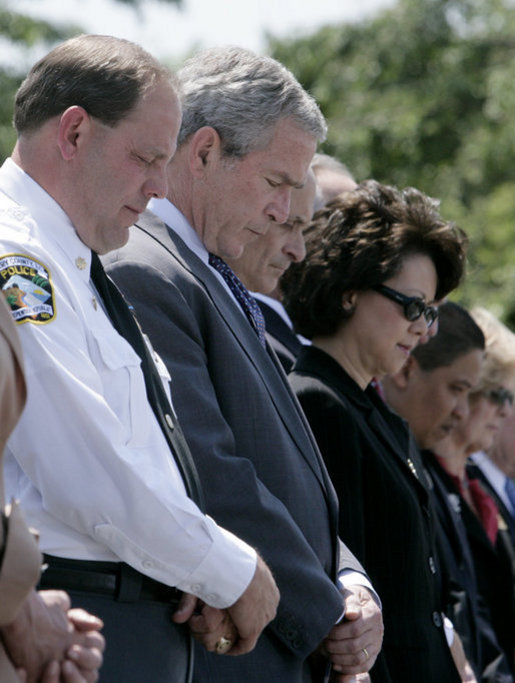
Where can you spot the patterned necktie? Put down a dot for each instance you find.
(127, 326)
(509, 488)
(242, 296)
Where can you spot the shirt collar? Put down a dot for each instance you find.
(176, 221)
(495, 476)
(170, 214)
(45, 211)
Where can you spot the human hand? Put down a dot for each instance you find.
(207, 624)
(353, 645)
(84, 657)
(241, 624)
(255, 609)
(46, 633)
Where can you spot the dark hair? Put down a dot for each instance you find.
(360, 240)
(106, 76)
(458, 334)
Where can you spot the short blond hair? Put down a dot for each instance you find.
(499, 361)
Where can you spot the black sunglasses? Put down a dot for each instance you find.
(413, 306)
(500, 396)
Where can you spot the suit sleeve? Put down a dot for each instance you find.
(180, 330)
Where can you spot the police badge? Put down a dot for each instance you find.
(27, 288)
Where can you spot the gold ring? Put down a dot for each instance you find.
(365, 652)
(223, 645)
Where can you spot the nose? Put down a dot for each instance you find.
(295, 247)
(420, 326)
(156, 184)
(462, 408)
(506, 409)
(279, 208)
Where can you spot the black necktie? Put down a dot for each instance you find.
(242, 296)
(126, 324)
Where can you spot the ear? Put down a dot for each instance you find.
(349, 300)
(402, 378)
(204, 148)
(74, 123)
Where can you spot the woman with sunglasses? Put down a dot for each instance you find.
(489, 539)
(377, 260)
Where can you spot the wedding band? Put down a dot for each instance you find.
(365, 652)
(223, 645)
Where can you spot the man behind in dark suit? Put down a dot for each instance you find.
(266, 259)
(496, 470)
(248, 135)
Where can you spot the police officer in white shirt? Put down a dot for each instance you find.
(97, 120)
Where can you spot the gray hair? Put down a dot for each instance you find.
(106, 76)
(242, 96)
(325, 161)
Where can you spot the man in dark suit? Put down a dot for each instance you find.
(266, 259)
(496, 471)
(249, 132)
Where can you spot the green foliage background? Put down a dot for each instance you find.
(424, 94)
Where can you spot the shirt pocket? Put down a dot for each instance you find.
(123, 386)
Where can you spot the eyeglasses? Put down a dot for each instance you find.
(500, 396)
(413, 306)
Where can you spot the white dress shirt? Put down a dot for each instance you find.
(494, 474)
(88, 459)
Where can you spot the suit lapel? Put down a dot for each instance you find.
(266, 365)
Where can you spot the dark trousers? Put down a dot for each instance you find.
(143, 644)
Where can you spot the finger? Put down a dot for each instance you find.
(59, 598)
(71, 674)
(354, 664)
(84, 621)
(186, 608)
(22, 675)
(208, 621)
(85, 658)
(89, 639)
(243, 646)
(51, 673)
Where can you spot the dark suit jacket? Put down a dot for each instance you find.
(262, 475)
(506, 519)
(280, 336)
(386, 516)
(494, 571)
(465, 606)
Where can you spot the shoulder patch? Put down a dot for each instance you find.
(27, 287)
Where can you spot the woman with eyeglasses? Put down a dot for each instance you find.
(492, 549)
(377, 260)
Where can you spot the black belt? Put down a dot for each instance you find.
(114, 579)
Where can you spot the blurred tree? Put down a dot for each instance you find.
(19, 33)
(423, 94)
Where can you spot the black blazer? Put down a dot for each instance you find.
(465, 606)
(494, 571)
(280, 336)
(386, 516)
